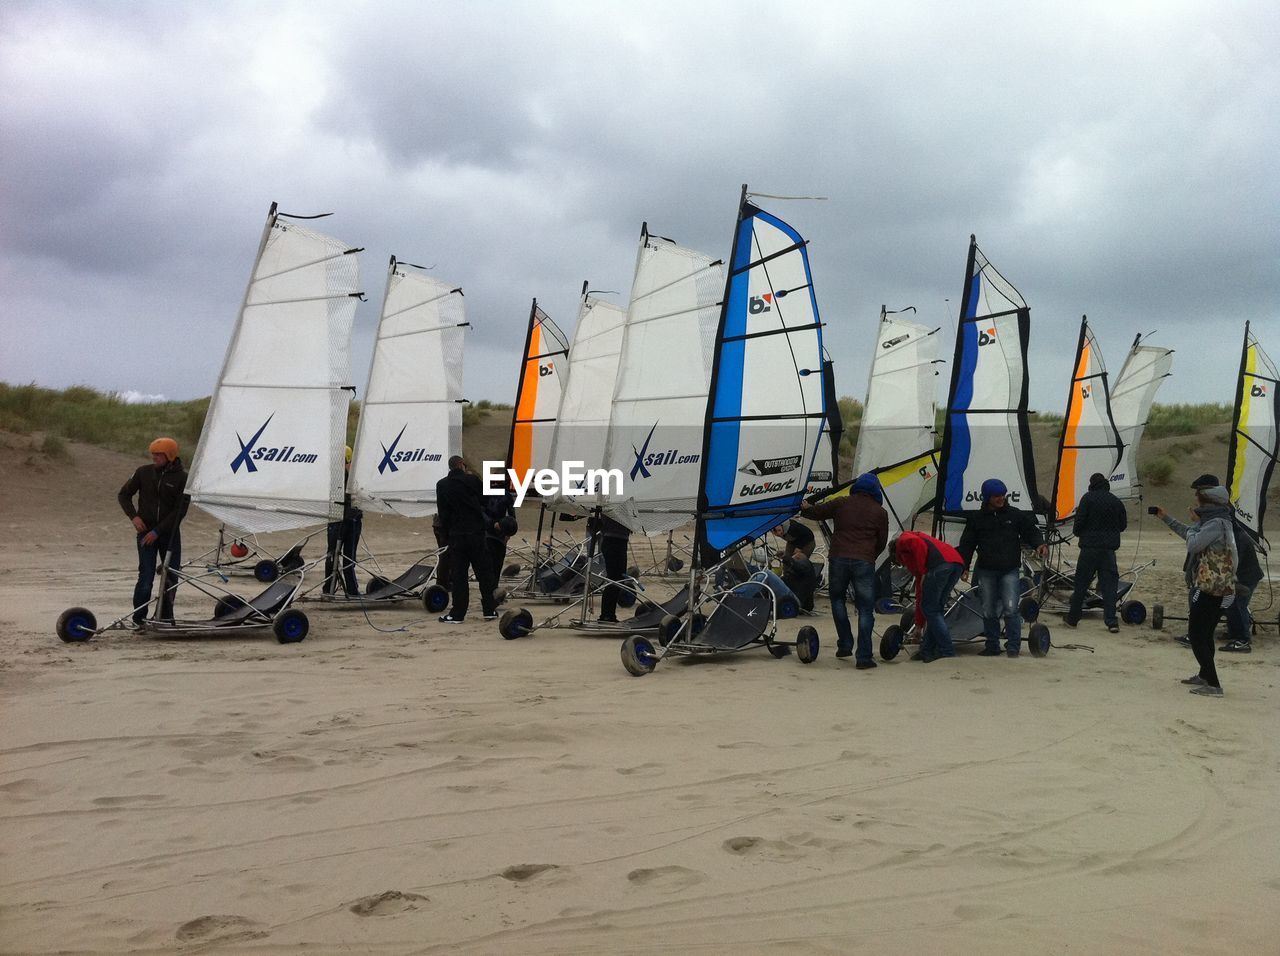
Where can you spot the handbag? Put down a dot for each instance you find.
(1214, 573)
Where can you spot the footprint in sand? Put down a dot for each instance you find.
(753, 847)
(643, 770)
(525, 871)
(666, 878)
(390, 903)
(125, 801)
(220, 928)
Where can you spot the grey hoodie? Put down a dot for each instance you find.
(1213, 530)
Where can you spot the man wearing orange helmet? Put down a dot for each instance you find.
(157, 519)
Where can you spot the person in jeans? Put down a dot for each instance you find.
(1211, 530)
(157, 519)
(798, 572)
(937, 567)
(1248, 577)
(460, 503)
(344, 539)
(1100, 517)
(997, 533)
(613, 538)
(861, 533)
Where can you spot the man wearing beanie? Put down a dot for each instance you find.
(156, 519)
(1100, 517)
(861, 533)
(998, 532)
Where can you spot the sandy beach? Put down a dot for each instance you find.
(395, 785)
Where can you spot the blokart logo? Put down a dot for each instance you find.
(251, 452)
(766, 488)
(986, 336)
(926, 472)
(1118, 476)
(392, 458)
(646, 459)
(1246, 515)
(545, 370)
(977, 496)
(1258, 391)
(763, 303)
(761, 467)
(1086, 391)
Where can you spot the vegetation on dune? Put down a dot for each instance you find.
(1157, 471)
(1166, 420)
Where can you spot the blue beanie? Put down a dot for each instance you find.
(868, 484)
(991, 488)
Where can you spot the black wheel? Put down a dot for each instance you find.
(511, 570)
(1038, 640)
(1025, 585)
(697, 624)
(908, 619)
(807, 644)
(638, 656)
(435, 599)
(890, 642)
(668, 628)
(500, 596)
(376, 583)
(788, 608)
(515, 623)
(887, 606)
(1133, 612)
(76, 624)
(228, 604)
(627, 596)
(266, 571)
(633, 572)
(1157, 616)
(779, 650)
(1029, 608)
(675, 564)
(290, 626)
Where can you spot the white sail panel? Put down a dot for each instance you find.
(1090, 442)
(660, 399)
(1144, 370)
(411, 418)
(1255, 439)
(270, 455)
(901, 406)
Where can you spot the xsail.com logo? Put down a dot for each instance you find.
(646, 459)
(251, 453)
(392, 456)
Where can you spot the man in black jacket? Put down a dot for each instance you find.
(460, 503)
(1100, 517)
(157, 518)
(998, 532)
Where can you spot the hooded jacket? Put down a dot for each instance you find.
(1100, 517)
(1214, 529)
(161, 502)
(998, 535)
(460, 503)
(861, 524)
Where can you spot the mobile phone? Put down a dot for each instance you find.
(1153, 510)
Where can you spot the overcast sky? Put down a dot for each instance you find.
(1116, 159)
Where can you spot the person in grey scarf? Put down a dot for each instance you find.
(1211, 530)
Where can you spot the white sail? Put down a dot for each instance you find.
(1255, 439)
(538, 393)
(582, 421)
(660, 399)
(411, 418)
(270, 455)
(1144, 371)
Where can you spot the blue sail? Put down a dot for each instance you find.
(767, 405)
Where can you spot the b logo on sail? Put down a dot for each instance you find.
(1258, 391)
(760, 303)
(545, 370)
(986, 336)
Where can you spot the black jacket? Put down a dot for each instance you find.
(1100, 517)
(998, 537)
(161, 501)
(1248, 570)
(460, 502)
(496, 507)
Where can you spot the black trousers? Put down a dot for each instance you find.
(1100, 562)
(1206, 611)
(799, 574)
(468, 550)
(497, 549)
(614, 551)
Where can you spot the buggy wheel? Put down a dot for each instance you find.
(1038, 640)
(890, 642)
(696, 625)
(291, 626)
(435, 599)
(515, 623)
(1133, 612)
(376, 583)
(511, 570)
(266, 571)
(908, 619)
(807, 644)
(76, 624)
(1157, 616)
(638, 656)
(668, 628)
(633, 572)
(228, 604)
(1026, 585)
(788, 608)
(675, 564)
(1029, 609)
(626, 596)
(500, 596)
(887, 606)
(779, 650)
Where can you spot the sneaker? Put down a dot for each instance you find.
(864, 665)
(1237, 647)
(1068, 621)
(1184, 640)
(990, 652)
(1013, 652)
(1195, 680)
(450, 619)
(491, 616)
(1207, 691)
(606, 620)
(1113, 628)
(917, 656)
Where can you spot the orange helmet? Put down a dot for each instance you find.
(164, 446)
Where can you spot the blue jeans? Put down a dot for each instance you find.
(862, 576)
(1238, 616)
(149, 558)
(934, 591)
(1000, 588)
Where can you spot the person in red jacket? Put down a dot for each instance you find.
(937, 567)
